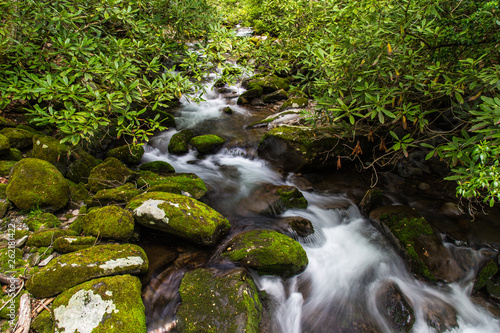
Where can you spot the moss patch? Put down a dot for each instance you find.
(47, 237)
(51, 150)
(109, 174)
(73, 243)
(43, 323)
(79, 169)
(179, 143)
(179, 183)
(18, 138)
(109, 222)
(5, 167)
(130, 155)
(207, 144)
(10, 259)
(121, 194)
(44, 220)
(296, 102)
(159, 167)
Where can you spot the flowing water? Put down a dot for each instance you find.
(350, 262)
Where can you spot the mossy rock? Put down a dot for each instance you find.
(36, 183)
(4, 146)
(105, 305)
(71, 269)
(18, 138)
(294, 103)
(43, 323)
(4, 207)
(5, 312)
(4, 122)
(268, 252)
(38, 254)
(128, 154)
(269, 84)
(73, 243)
(109, 174)
(77, 224)
(79, 169)
(3, 191)
(119, 195)
(227, 110)
(44, 221)
(300, 148)
(218, 303)
(488, 279)
(109, 222)
(179, 215)
(52, 150)
(207, 144)
(159, 167)
(47, 236)
(179, 143)
(276, 199)
(78, 193)
(6, 167)
(188, 184)
(14, 155)
(10, 259)
(248, 96)
(275, 96)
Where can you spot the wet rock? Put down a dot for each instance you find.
(188, 184)
(109, 222)
(73, 243)
(43, 221)
(275, 199)
(46, 237)
(18, 138)
(395, 309)
(51, 150)
(179, 143)
(36, 183)
(296, 148)
(159, 167)
(218, 302)
(373, 198)
(300, 226)
(227, 110)
(414, 238)
(109, 174)
(293, 103)
(207, 144)
(128, 154)
(268, 252)
(119, 195)
(79, 170)
(109, 304)
(71, 269)
(179, 215)
(440, 315)
(488, 279)
(275, 96)
(248, 96)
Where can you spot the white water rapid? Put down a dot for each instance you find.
(350, 263)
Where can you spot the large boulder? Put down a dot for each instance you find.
(415, 240)
(300, 148)
(69, 270)
(107, 305)
(179, 215)
(128, 154)
(159, 167)
(188, 184)
(109, 222)
(275, 199)
(207, 144)
(218, 303)
(179, 143)
(109, 174)
(268, 252)
(36, 183)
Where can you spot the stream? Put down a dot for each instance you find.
(350, 262)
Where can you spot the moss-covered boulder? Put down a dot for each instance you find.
(300, 148)
(275, 199)
(187, 184)
(43, 323)
(14, 155)
(249, 95)
(3, 191)
(294, 103)
(71, 269)
(207, 144)
(119, 195)
(4, 146)
(179, 143)
(415, 240)
(488, 279)
(179, 215)
(73, 243)
(159, 167)
(46, 237)
(130, 155)
(109, 222)
(52, 150)
(109, 174)
(36, 183)
(78, 193)
(79, 169)
(218, 303)
(275, 96)
(105, 305)
(4, 122)
(43, 221)
(6, 167)
(268, 252)
(18, 138)
(269, 83)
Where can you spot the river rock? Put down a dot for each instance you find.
(249, 95)
(47, 236)
(107, 305)
(18, 138)
(159, 167)
(109, 222)
(188, 184)
(268, 252)
(414, 238)
(488, 279)
(51, 150)
(300, 148)
(224, 303)
(109, 174)
(119, 195)
(440, 315)
(207, 144)
(36, 183)
(297, 225)
(393, 306)
(73, 268)
(269, 84)
(275, 199)
(43, 221)
(179, 143)
(179, 215)
(73, 243)
(128, 154)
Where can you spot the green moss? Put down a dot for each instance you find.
(46, 237)
(121, 194)
(43, 323)
(273, 97)
(207, 144)
(212, 303)
(159, 167)
(109, 174)
(51, 150)
(268, 252)
(10, 259)
(296, 102)
(4, 122)
(74, 243)
(3, 191)
(45, 220)
(18, 138)
(179, 143)
(109, 222)
(247, 96)
(14, 155)
(4, 145)
(292, 198)
(173, 183)
(4, 207)
(79, 169)
(18, 234)
(486, 274)
(166, 119)
(5, 167)
(269, 119)
(78, 193)
(123, 292)
(129, 155)
(4, 313)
